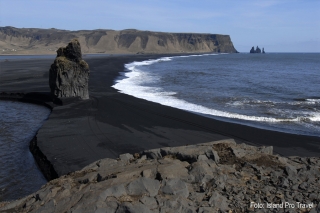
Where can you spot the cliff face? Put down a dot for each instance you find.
(47, 41)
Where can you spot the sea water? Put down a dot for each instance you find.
(19, 174)
(277, 91)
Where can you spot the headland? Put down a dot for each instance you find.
(130, 41)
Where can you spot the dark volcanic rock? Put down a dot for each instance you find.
(183, 179)
(257, 50)
(69, 74)
(252, 50)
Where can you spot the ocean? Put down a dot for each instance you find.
(275, 91)
(19, 173)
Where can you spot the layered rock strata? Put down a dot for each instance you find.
(47, 41)
(69, 74)
(219, 176)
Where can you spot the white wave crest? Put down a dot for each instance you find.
(313, 101)
(315, 117)
(132, 86)
(134, 64)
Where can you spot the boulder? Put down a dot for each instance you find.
(69, 73)
(175, 186)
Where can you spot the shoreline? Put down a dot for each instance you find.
(110, 123)
(261, 121)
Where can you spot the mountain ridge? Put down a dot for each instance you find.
(129, 41)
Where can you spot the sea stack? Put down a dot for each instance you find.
(252, 50)
(69, 73)
(257, 50)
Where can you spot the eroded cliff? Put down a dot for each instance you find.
(47, 41)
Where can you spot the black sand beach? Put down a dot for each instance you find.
(110, 123)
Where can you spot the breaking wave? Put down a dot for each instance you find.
(131, 85)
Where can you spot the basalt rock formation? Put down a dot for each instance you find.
(47, 41)
(257, 50)
(69, 74)
(219, 176)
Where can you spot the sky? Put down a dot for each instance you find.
(276, 25)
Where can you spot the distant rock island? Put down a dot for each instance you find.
(257, 50)
(48, 41)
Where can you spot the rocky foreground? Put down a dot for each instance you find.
(219, 176)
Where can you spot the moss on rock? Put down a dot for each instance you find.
(69, 74)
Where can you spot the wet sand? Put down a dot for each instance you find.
(111, 123)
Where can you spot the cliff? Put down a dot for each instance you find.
(48, 41)
(219, 176)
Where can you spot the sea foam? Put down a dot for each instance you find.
(131, 85)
